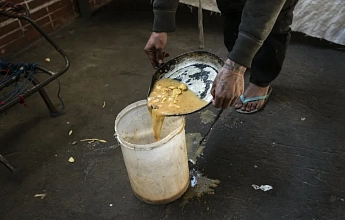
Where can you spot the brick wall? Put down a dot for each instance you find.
(48, 14)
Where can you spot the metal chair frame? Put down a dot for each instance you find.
(19, 11)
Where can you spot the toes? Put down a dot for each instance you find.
(249, 106)
(254, 106)
(259, 104)
(244, 106)
(238, 103)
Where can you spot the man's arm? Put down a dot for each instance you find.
(258, 19)
(164, 15)
(164, 22)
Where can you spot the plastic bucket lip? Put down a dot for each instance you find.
(143, 147)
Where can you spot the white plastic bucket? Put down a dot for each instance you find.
(158, 171)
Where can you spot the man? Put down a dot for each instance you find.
(256, 34)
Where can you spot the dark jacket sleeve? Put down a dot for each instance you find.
(258, 19)
(164, 15)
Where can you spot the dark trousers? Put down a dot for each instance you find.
(268, 62)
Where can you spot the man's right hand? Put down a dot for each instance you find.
(155, 48)
(228, 85)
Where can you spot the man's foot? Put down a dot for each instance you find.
(251, 92)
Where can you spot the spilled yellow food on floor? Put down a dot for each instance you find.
(170, 97)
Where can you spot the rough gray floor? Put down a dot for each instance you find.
(304, 160)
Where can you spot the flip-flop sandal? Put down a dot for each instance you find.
(264, 97)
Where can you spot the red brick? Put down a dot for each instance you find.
(72, 3)
(39, 14)
(62, 12)
(43, 21)
(59, 4)
(13, 45)
(48, 18)
(40, 22)
(68, 17)
(3, 18)
(36, 3)
(17, 1)
(10, 37)
(55, 6)
(31, 34)
(9, 27)
(48, 28)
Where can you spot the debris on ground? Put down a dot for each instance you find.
(103, 105)
(71, 160)
(48, 60)
(302, 119)
(74, 143)
(91, 140)
(262, 187)
(40, 195)
(70, 132)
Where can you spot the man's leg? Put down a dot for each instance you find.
(268, 61)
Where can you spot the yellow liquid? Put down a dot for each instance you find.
(170, 97)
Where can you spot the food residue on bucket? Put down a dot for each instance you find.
(199, 185)
(170, 97)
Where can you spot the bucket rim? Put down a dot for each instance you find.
(145, 147)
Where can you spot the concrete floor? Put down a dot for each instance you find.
(296, 144)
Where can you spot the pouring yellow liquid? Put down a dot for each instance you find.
(170, 97)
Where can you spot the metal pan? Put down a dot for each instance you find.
(197, 69)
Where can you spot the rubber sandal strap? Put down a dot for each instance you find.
(253, 99)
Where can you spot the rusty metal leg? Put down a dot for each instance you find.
(6, 163)
(45, 98)
(47, 101)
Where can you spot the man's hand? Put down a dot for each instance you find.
(155, 48)
(228, 85)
